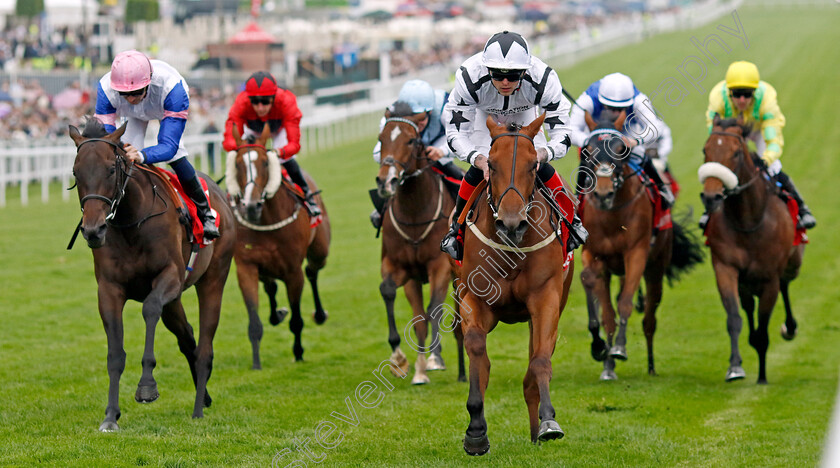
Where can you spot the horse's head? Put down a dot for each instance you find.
(605, 154)
(513, 169)
(402, 150)
(253, 174)
(101, 173)
(726, 155)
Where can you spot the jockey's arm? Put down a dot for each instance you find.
(577, 120)
(716, 105)
(666, 144)
(644, 125)
(291, 123)
(105, 111)
(772, 122)
(556, 108)
(176, 108)
(458, 119)
(236, 116)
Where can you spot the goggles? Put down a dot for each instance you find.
(498, 74)
(264, 100)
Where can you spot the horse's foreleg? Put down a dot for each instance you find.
(727, 283)
(766, 302)
(475, 342)
(111, 304)
(544, 307)
(634, 267)
(589, 278)
(165, 289)
(249, 283)
(788, 330)
(438, 286)
(414, 293)
(392, 278)
(294, 291)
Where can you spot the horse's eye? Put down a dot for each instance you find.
(112, 171)
(534, 166)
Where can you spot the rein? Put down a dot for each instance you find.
(511, 185)
(417, 144)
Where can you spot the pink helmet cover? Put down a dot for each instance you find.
(130, 71)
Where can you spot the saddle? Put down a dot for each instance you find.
(187, 213)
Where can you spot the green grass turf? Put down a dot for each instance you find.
(53, 379)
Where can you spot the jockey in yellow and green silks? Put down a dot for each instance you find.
(742, 94)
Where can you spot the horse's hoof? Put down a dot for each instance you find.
(761, 382)
(785, 334)
(549, 430)
(420, 379)
(324, 316)
(276, 317)
(435, 362)
(207, 400)
(399, 361)
(599, 352)
(146, 393)
(462, 378)
(608, 375)
(735, 373)
(476, 445)
(619, 352)
(109, 426)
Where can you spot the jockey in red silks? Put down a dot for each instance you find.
(264, 103)
(506, 82)
(139, 90)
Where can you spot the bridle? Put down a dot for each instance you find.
(120, 162)
(741, 156)
(416, 144)
(511, 186)
(250, 172)
(616, 175)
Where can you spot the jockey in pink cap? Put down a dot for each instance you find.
(139, 90)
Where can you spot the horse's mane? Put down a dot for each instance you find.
(401, 109)
(726, 123)
(94, 128)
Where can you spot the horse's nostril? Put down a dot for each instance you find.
(523, 225)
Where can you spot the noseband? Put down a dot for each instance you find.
(119, 163)
(416, 143)
(511, 185)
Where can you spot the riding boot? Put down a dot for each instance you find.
(293, 169)
(378, 208)
(450, 243)
(207, 216)
(806, 218)
(450, 171)
(664, 190)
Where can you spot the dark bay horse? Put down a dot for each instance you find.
(751, 237)
(619, 216)
(141, 252)
(515, 269)
(416, 219)
(273, 238)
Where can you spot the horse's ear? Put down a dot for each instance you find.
(237, 137)
(716, 120)
(265, 135)
(75, 135)
(118, 133)
(619, 122)
(534, 127)
(493, 126)
(387, 112)
(590, 122)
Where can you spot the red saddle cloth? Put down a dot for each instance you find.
(298, 191)
(197, 227)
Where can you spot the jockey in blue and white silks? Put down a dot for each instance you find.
(615, 93)
(139, 90)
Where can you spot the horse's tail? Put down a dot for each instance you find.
(687, 250)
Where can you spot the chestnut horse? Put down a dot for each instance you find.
(415, 221)
(515, 269)
(619, 217)
(141, 252)
(751, 237)
(273, 238)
